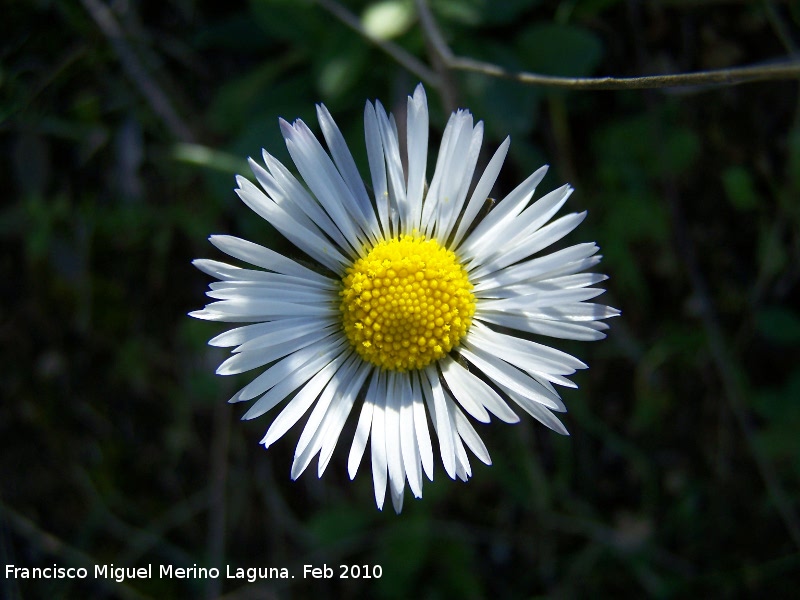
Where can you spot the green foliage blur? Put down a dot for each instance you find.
(120, 143)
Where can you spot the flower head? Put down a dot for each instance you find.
(419, 313)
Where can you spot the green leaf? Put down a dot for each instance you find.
(506, 107)
(739, 189)
(681, 149)
(499, 13)
(554, 49)
(482, 12)
(290, 20)
(238, 99)
(779, 325)
(406, 547)
(793, 166)
(591, 9)
(240, 32)
(458, 11)
(337, 523)
(388, 19)
(781, 412)
(340, 65)
(644, 146)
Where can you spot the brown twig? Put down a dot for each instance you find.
(410, 62)
(139, 540)
(147, 86)
(49, 543)
(734, 76)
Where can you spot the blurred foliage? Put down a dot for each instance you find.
(118, 445)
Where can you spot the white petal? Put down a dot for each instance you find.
(295, 201)
(482, 191)
(394, 455)
(430, 207)
(515, 234)
(252, 359)
(566, 282)
(421, 426)
(457, 172)
(340, 410)
(397, 501)
(260, 310)
(271, 281)
(286, 293)
(291, 368)
(577, 280)
(263, 257)
(326, 420)
(571, 311)
(522, 247)
(543, 299)
(468, 390)
(326, 398)
(297, 198)
(506, 374)
(463, 469)
(349, 172)
(408, 436)
(583, 311)
(323, 179)
(459, 384)
(417, 153)
(210, 315)
(302, 401)
(377, 441)
(434, 396)
(545, 357)
(285, 387)
(537, 411)
(362, 429)
(447, 177)
(303, 459)
(471, 438)
(585, 331)
(462, 180)
(505, 211)
(242, 335)
(394, 165)
(224, 271)
(377, 168)
(540, 268)
(312, 241)
(273, 338)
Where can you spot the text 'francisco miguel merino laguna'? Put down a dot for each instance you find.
(120, 574)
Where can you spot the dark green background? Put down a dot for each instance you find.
(682, 474)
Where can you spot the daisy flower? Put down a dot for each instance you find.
(417, 312)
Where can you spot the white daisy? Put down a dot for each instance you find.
(419, 313)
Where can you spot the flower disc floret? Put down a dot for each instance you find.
(407, 303)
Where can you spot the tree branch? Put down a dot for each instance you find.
(45, 542)
(147, 86)
(409, 61)
(734, 76)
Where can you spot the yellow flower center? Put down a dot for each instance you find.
(407, 303)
